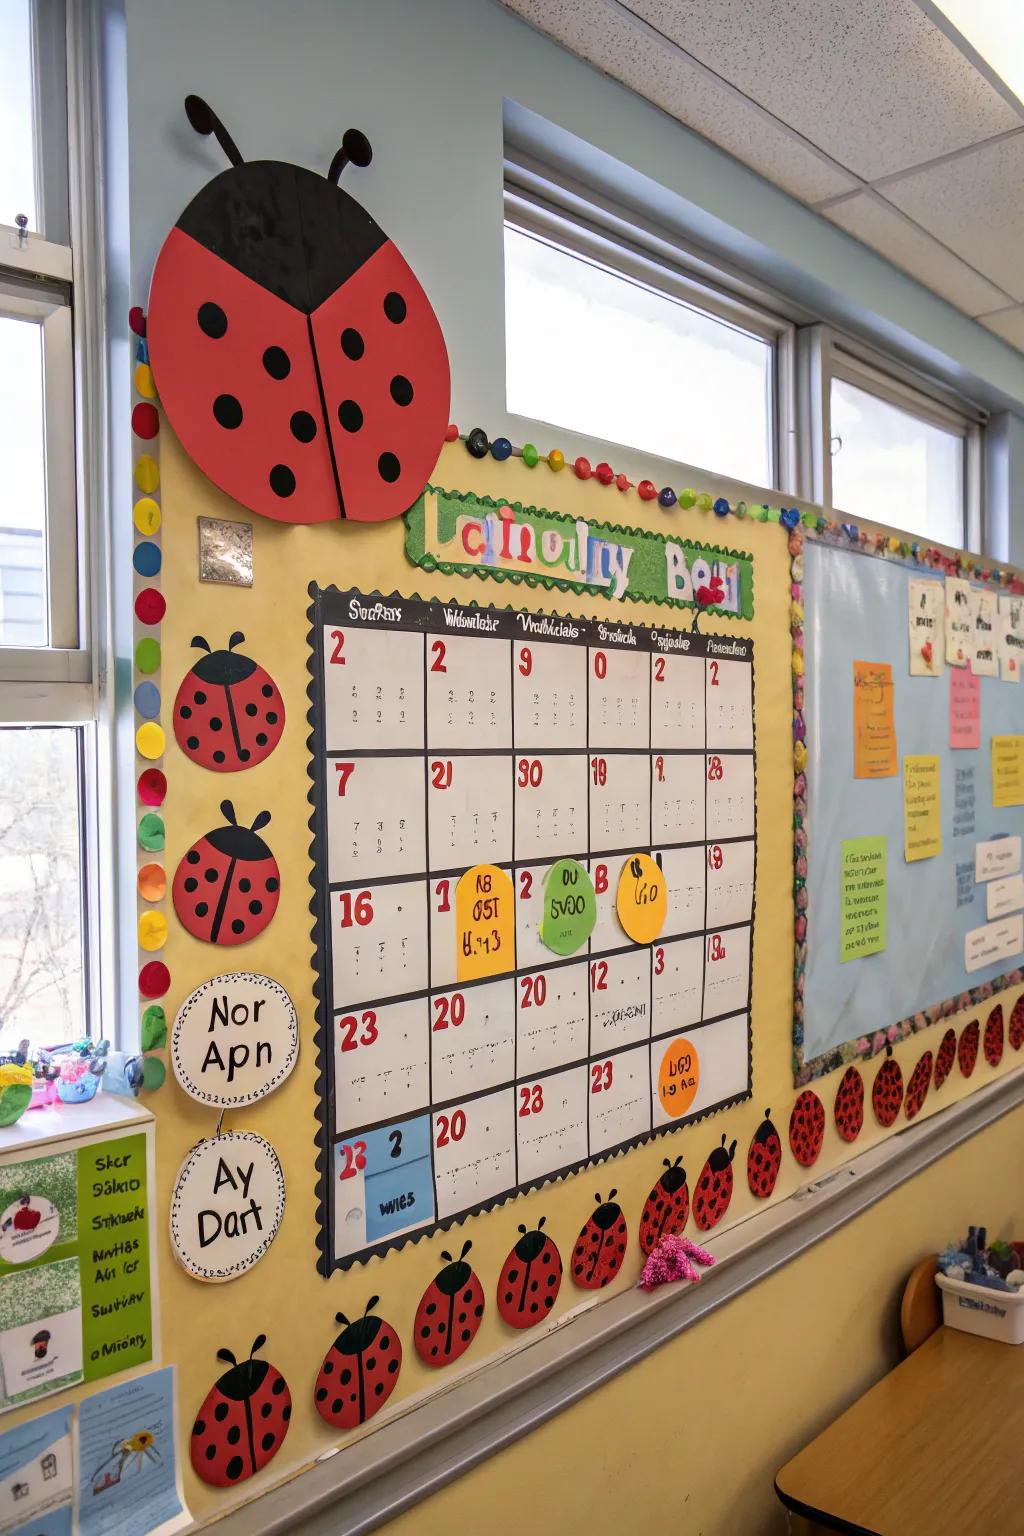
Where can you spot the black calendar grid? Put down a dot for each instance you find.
(333, 610)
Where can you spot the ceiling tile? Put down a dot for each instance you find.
(599, 30)
(1009, 325)
(974, 205)
(872, 82)
(887, 231)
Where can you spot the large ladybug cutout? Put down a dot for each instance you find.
(945, 1056)
(1016, 1031)
(448, 1316)
(967, 1048)
(713, 1190)
(993, 1037)
(360, 1370)
(807, 1128)
(228, 713)
(243, 1421)
(887, 1090)
(666, 1208)
(849, 1105)
(764, 1158)
(226, 887)
(530, 1279)
(601, 1246)
(296, 355)
(917, 1088)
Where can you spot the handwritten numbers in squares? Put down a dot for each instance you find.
(378, 941)
(551, 1017)
(529, 888)
(730, 795)
(677, 701)
(726, 971)
(620, 1098)
(472, 1038)
(469, 692)
(677, 797)
(730, 704)
(469, 804)
(620, 800)
(608, 933)
(474, 1151)
(549, 691)
(683, 869)
(730, 883)
(677, 983)
(375, 817)
(620, 999)
(551, 1122)
(381, 1062)
(373, 689)
(620, 685)
(550, 805)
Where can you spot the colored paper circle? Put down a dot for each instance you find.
(145, 420)
(144, 381)
(152, 930)
(235, 1039)
(154, 1028)
(150, 740)
(208, 1235)
(146, 558)
(152, 786)
(147, 701)
(28, 1227)
(147, 655)
(484, 923)
(147, 474)
(678, 1077)
(137, 320)
(150, 606)
(146, 514)
(154, 1074)
(154, 979)
(152, 882)
(641, 900)
(151, 832)
(570, 907)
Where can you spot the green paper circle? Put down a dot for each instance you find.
(153, 1074)
(570, 907)
(147, 655)
(154, 1028)
(151, 832)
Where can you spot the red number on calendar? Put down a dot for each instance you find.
(659, 769)
(715, 856)
(437, 650)
(659, 669)
(337, 659)
(600, 1076)
(441, 775)
(716, 948)
(600, 878)
(531, 772)
(600, 664)
(525, 884)
(525, 661)
(358, 910)
(442, 891)
(713, 669)
(715, 769)
(354, 1159)
(531, 1100)
(351, 1039)
(659, 960)
(599, 976)
(450, 1128)
(344, 772)
(449, 1010)
(534, 990)
(599, 769)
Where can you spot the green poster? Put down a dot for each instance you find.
(862, 897)
(114, 1251)
(570, 908)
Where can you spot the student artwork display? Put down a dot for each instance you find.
(530, 1278)
(235, 1039)
(807, 1128)
(228, 713)
(534, 865)
(243, 1420)
(601, 1246)
(666, 1208)
(297, 357)
(360, 1370)
(227, 1205)
(712, 1193)
(128, 1471)
(848, 1110)
(764, 1158)
(227, 886)
(917, 1088)
(449, 1314)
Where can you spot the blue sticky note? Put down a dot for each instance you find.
(399, 1197)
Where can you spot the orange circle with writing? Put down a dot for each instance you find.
(678, 1077)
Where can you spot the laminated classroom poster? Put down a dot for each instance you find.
(128, 1478)
(36, 1476)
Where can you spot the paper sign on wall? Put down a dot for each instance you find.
(227, 1205)
(999, 856)
(964, 708)
(484, 923)
(1011, 637)
(570, 907)
(993, 942)
(235, 1039)
(985, 617)
(129, 1474)
(959, 622)
(36, 1475)
(874, 725)
(1007, 770)
(1004, 896)
(922, 825)
(862, 898)
(926, 611)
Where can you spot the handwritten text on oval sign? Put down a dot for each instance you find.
(227, 1205)
(235, 1039)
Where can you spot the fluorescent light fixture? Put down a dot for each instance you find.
(995, 30)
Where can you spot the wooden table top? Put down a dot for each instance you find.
(936, 1448)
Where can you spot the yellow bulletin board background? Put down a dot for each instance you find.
(284, 1296)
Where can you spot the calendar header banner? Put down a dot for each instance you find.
(452, 531)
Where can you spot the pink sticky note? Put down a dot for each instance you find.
(964, 707)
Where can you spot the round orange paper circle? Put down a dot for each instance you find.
(152, 882)
(678, 1077)
(641, 899)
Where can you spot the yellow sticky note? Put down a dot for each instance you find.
(874, 725)
(485, 923)
(1008, 770)
(922, 821)
(642, 898)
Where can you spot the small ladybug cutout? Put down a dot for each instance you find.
(530, 1279)
(228, 713)
(967, 1050)
(807, 1128)
(666, 1208)
(295, 353)
(945, 1056)
(764, 1158)
(713, 1191)
(243, 1421)
(1016, 1030)
(993, 1037)
(227, 885)
(887, 1090)
(360, 1370)
(917, 1088)
(849, 1106)
(448, 1316)
(601, 1246)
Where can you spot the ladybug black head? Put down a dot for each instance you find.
(530, 1244)
(222, 667)
(357, 1336)
(721, 1157)
(607, 1213)
(674, 1176)
(765, 1130)
(245, 1376)
(455, 1273)
(239, 842)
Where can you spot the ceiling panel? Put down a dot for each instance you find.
(869, 218)
(1009, 325)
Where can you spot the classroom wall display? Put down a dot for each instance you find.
(227, 1205)
(235, 1039)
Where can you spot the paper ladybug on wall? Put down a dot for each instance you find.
(243, 1421)
(360, 1370)
(764, 1158)
(296, 355)
(228, 713)
(226, 887)
(530, 1278)
(601, 1246)
(666, 1208)
(450, 1311)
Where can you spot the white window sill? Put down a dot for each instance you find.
(61, 1122)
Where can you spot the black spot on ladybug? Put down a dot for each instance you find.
(266, 1410)
(277, 362)
(261, 738)
(303, 427)
(185, 712)
(191, 884)
(352, 344)
(216, 724)
(401, 390)
(282, 481)
(234, 1467)
(393, 1366)
(350, 415)
(286, 1412)
(192, 743)
(221, 1412)
(388, 467)
(466, 1335)
(234, 1434)
(227, 412)
(250, 709)
(271, 717)
(245, 884)
(219, 756)
(192, 857)
(337, 1405)
(213, 322)
(279, 1386)
(209, 875)
(199, 696)
(267, 691)
(255, 907)
(210, 1452)
(199, 1427)
(425, 1333)
(321, 1393)
(237, 926)
(272, 884)
(394, 308)
(201, 909)
(268, 1441)
(378, 1389)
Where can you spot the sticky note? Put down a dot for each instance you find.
(1007, 770)
(964, 707)
(484, 923)
(862, 897)
(926, 612)
(1000, 856)
(993, 942)
(641, 899)
(570, 907)
(922, 828)
(678, 1077)
(874, 726)
(959, 622)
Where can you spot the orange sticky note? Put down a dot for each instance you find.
(874, 725)
(485, 923)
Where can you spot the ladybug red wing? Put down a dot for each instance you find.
(945, 1057)
(807, 1128)
(967, 1049)
(448, 1316)
(849, 1105)
(601, 1246)
(243, 1421)
(666, 1208)
(360, 1371)
(764, 1158)
(993, 1039)
(530, 1279)
(713, 1192)
(887, 1090)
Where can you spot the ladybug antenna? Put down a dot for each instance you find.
(612, 1193)
(261, 821)
(257, 1343)
(236, 639)
(339, 1317)
(521, 1227)
(227, 810)
(446, 1255)
(665, 1163)
(467, 1245)
(541, 1222)
(227, 1356)
(355, 150)
(205, 121)
(199, 644)
(768, 1113)
(370, 1305)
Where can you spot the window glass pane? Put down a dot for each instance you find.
(890, 466)
(17, 138)
(41, 949)
(23, 613)
(595, 352)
